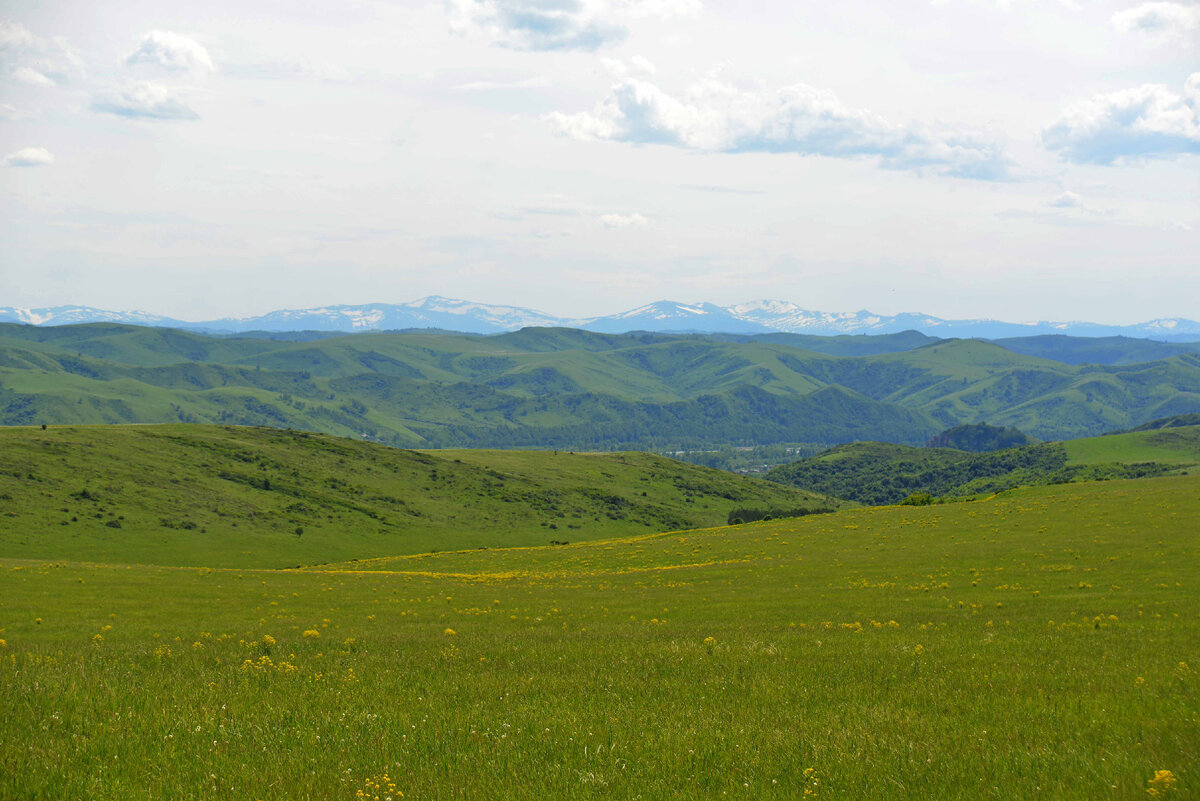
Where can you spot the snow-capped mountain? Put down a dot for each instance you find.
(479, 318)
(68, 315)
(667, 315)
(430, 312)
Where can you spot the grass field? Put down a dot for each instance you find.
(1179, 446)
(1044, 643)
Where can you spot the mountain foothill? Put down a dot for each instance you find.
(570, 388)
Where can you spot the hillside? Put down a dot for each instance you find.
(573, 389)
(1177, 445)
(1175, 421)
(879, 473)
(218, 496)
(1096, 350)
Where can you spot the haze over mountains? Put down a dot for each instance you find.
(755, 317)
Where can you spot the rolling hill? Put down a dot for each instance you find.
(568, 388)
(219, 496)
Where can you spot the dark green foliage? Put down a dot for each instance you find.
(739, 516)
(879, 473)
(979, 437)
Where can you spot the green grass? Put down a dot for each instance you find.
(1179, 446)
(258, 497)
(1041, 644)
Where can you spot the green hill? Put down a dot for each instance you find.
(880, 473)
(222, 496)
(564, 388)
(1175, 421)
(1096, 350)
(1174, 445)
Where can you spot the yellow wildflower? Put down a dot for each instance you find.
(1162, 783)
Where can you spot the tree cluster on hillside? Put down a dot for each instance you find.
(979, 438)
(878, 473)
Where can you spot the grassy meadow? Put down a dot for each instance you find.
(1044, 643)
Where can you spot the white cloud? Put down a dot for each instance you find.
(619, 70)
(1144, 122)
(30, 76)
(35, 60)
(12, 113)
(1067, 200)
(557, 24)
(301, 69)
(623, 220)
(145, 100)
(644, 64)
(1006, 5)
(171, 52)
(800, 119)
(29, 157)
(489, 86)
(1162, 20)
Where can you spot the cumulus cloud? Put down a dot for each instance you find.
(717, 117)
(1163, 20)
(145, 100)
(33, 59)
(557, 24)
(1144, 122)
(623, 220)
(29, 157)
(171, 52)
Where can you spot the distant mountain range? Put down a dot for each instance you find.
(756, 317)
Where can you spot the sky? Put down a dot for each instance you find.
(1010, 159)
